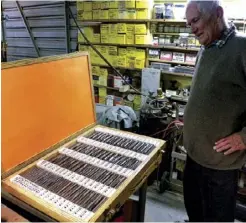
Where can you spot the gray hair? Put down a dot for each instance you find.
(207, 8)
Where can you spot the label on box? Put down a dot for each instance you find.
(178, 57)
(166, 56)
(104, 28)
(96, 38)
(121, 27)
(131, 51)
(118, 82)
(112, 38)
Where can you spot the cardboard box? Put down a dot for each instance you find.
(87, 6)
(131, 51)
(142, 39)
(121, 61)
(103, 14)
(113, 14)
(88, 31)
(96, 14)
(103, 80)
(102, 100)
(95, 70)
(139, 63)
(121, 27)
(130, 39)
(140, 53)
(122, 14)
(103, 50)
(85, 15)
(104, 38)
(143, 4)
(137, 102)
(178, 57)
(96, 38)
(96, 5)
(165, 55)
(130, 29)
(130, 4)
(83, 48)
(80, 6)
(121, 38)
(127, 103)
(130, 62)
(122, 52)
(113, 50)
(104, 28)
(102, 92)
(113, 60)
(140, 29)
(118, 100)
(131, 14)
(190, 58)
(105, 5)
(113, 38)
(118, 82)
(122, 4)
(103, 72)
(142, 14)
(113, 4)
(113, 29)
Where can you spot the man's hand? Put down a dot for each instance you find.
(230, 144)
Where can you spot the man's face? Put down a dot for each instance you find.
(205, 29)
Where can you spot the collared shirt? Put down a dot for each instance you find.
(226, 34)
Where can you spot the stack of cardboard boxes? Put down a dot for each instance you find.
(123, 9)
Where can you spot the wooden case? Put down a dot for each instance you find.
(46, 104)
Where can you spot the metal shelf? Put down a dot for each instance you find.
(174, 34)
(195, 49)
(171, 62)
(177, 74)
(125, 68)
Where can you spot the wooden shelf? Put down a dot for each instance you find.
(125, 68)
(177, 74)
(116, 89)
(171, 62)
(174, 34)
(187, 49)
(183, 21)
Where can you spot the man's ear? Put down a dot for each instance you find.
(220, 12)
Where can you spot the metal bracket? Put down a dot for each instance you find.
(28, 28)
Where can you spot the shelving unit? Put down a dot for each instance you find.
(171, 62)
(125, 68)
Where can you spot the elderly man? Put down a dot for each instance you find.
(215, 116)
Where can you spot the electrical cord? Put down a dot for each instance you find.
(105, 60)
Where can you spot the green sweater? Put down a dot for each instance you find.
(217, 104)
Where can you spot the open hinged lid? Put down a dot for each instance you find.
(44, 100)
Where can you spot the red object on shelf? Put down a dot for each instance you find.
(119, 219)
